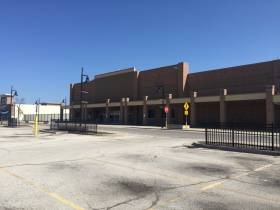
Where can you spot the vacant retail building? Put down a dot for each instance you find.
(246, 93)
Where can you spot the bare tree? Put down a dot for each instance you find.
(18, 103)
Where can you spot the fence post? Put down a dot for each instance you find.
(206, 132)
(85, 126)
(272, 136)
(96, 127)
(232, 133)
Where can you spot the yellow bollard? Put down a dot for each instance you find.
(36, 126)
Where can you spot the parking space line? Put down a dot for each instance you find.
(247, 194)
(57, 197)
(215, 185)
(143, 170)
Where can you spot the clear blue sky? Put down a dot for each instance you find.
(44, 44)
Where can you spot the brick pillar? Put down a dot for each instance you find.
(145, 110)
(223, 108)
(168, 97)
(121, 111)
(270, 114)
(193, 109)
(71, 111)
(107, 111)
(126, 114)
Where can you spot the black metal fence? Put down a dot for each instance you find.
(12, 122)
(85, 126)
(43, 117)
(256, 136)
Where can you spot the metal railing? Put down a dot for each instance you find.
(246, 135)
(85, 126)
(43, 117)
(12, 122)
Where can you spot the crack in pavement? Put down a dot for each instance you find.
(91, 207)
(39, 164)
(127, 202)
(154, 203)
(6, 150)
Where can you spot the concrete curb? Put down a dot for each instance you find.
(236, 149)
(154, 128)
(48, 131)
(99, 133)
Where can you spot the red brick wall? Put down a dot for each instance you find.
(246, 111)
(76, 93)
(276, 75)
(241, 79)
(150, 80)
(183, 70)
(180, 118)
(207, 111)
(115, 87)
(277, 114)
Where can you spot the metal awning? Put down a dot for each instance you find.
(4, 112)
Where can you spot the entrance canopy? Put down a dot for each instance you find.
(4, 112)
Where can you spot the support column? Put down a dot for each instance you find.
(193, 109)
(121, 111)
(61, 112)
(107, 111)
(270, 112)
(71, 111)
(126, 114)
(83, 112)
(168, 97)
(223, 108)
(86, 113)
(145, 110)
(92, 116)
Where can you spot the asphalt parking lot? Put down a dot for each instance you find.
(130, 170)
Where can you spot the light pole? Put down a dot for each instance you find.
(161, 91)
(37, 102)
(87, 81)
(12, 102)
(64, 101)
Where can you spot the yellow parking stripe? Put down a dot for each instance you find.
(215, 185)
(74, 206)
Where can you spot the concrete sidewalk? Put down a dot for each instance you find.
(147, 127)
(202, 144)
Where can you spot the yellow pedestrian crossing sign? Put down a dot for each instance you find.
(186, 106)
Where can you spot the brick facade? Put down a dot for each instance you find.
(141, 88)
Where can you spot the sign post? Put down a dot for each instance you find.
(166, 112)
(36, 126)
(186, 106)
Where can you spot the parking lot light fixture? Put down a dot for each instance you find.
(15, 94)
(81, 102)
(64, 101)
